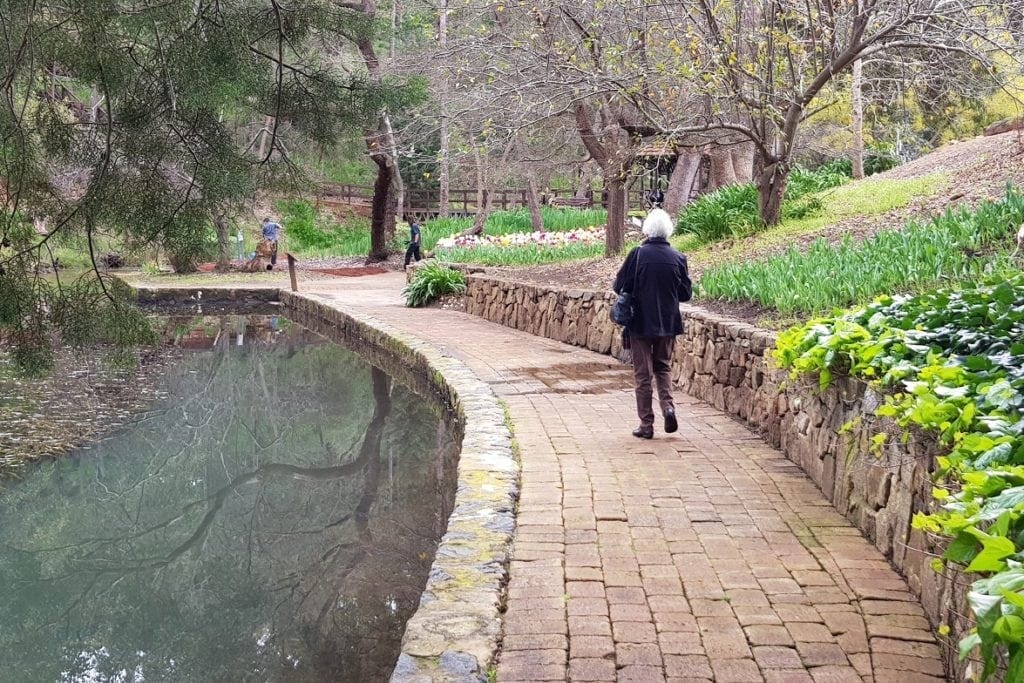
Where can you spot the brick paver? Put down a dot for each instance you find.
(702, 555)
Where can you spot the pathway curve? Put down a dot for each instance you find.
(704, 554)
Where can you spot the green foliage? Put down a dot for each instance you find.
(316, 233)
(179, 85)
(432, 281)
(87, 310)
(830, 275)
(952, 362)
(881, 158)
(802, 181)
(521, 255)
(732, 211)
(191, 242)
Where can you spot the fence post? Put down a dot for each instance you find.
(291, 272)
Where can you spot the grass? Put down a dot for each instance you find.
(870, 197)
(524, 255)
(269, 278)
(828, 276)
(312, 234)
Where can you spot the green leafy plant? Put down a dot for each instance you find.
(732, 211)
(722, 214)
(432, 281)
(524, 255)
(832, 275)
(951, 362)
(803, 181)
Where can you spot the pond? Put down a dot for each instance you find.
(273, 517)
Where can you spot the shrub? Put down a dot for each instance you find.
(431, 281)
(843, 166)
(880, 159)
(192, 242)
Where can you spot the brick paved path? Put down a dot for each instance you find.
(705, 554)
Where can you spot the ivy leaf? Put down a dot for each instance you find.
(1015, 669)
(1014, 598)
(1010, 629)
(962, 550)
(994, 549)
(968, 643)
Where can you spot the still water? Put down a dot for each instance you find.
(273, 518)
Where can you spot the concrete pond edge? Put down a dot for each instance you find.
(454, 634)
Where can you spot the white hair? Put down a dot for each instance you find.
(658, 224)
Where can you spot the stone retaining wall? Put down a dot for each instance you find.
(724, 362)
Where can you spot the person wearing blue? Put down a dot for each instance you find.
(271, 233)
(658, 278)
(414, 243)
(240, 244)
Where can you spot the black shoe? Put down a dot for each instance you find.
(671, 424)
(644, 432)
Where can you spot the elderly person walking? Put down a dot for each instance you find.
(657, 277)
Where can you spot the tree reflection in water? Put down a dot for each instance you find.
(275, 519)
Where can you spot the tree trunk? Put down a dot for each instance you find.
(722, 172)
(536, 219)
(220, 222)
(586, 178)
(483, 197)
(396, 175)
(264, 135)
(680, 183)
(857, 125)
(615, 227)
(483, 211)
(444, 161)
(383, 205)
(743, 161)
(771, 187)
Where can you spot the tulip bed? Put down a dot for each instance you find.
(521, 248)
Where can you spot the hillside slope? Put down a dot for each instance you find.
(973, 170)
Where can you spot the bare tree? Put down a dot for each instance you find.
(799, 50)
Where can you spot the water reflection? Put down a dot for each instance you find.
(274, 520)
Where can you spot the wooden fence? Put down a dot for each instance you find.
(425, 203)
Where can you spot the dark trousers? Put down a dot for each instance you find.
(273, 255)
(652, 357)
(413, 250)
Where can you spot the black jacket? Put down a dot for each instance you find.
(663, 282)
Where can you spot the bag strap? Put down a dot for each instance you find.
(636, 269)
